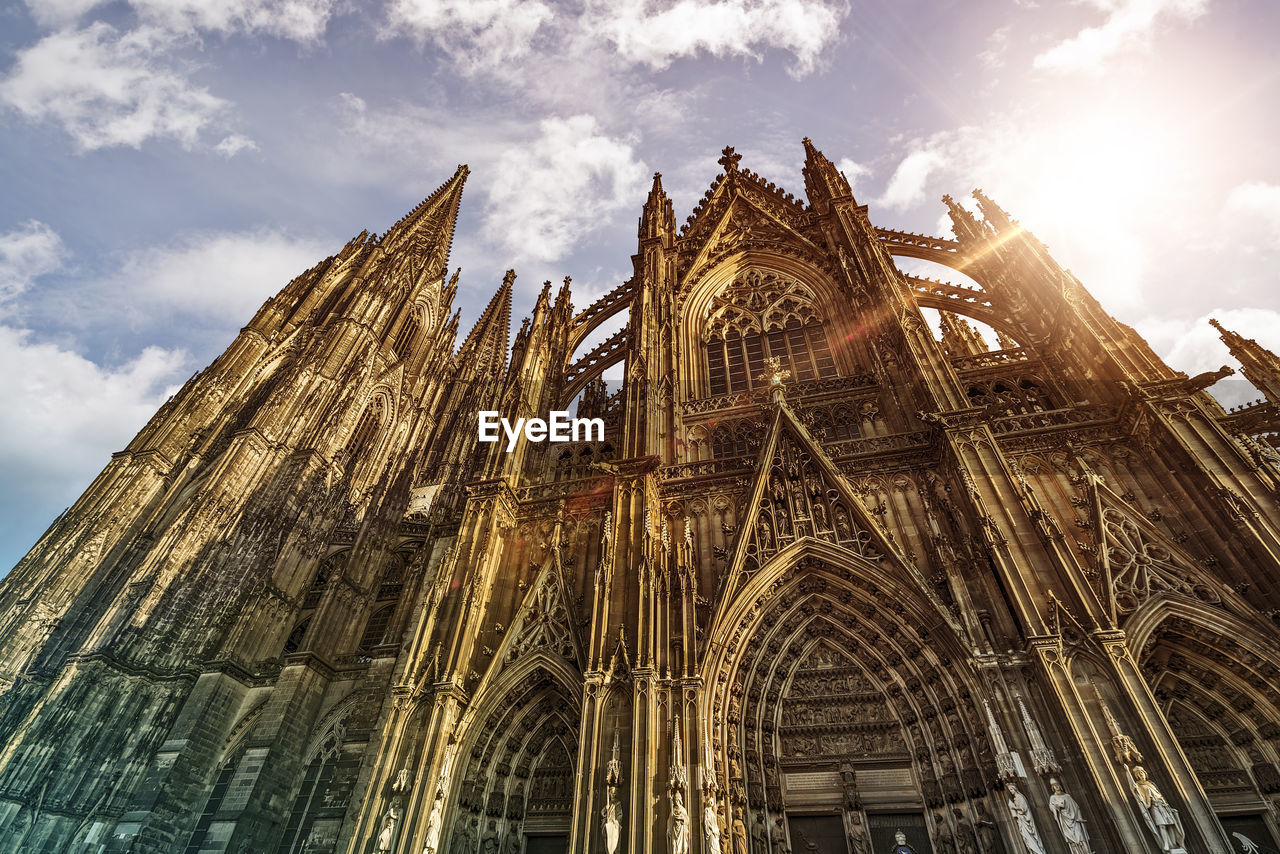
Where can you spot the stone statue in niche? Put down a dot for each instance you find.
(612, 814)
(965, 841)
(387, 835)
(1162, 819)
(988, 834)
(943, 840)
(710, 826)
(489, 844)
(739, 834)
(1021, 811)
(1070, 820)
(678, 825)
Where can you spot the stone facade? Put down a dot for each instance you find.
(829, 582)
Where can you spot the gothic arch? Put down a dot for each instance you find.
(510, 775)
(1220, 694)
(697, 296)
(913, 714)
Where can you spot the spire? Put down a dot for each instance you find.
(822, 181)
(657, 219)
(486, 343)
(959, 338)
(995, 215)
(966, 225)
(430, 225)
(1261, 366)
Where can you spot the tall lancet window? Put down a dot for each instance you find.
(365, 436)
(762, 316)
(407, 337)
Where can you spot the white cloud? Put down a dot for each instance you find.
(28, 252)
(219, 277)
(107, 88)
(1195, 346)
(546, 195)
(299, 20)
(658, 34)
(65, 414)
(477, 34)
(234, 144)
(1129, 26)
(853, 171)
(907, 185)
(1252, 213)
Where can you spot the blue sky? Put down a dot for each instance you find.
(168, 164)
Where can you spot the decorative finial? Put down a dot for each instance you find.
(729, 159)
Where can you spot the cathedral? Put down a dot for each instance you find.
(864, 563)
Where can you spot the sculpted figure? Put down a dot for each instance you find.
(1026, 822)
(464, 839)
(779, 838)
(943, 840)
(1070, 820)
(612, 821)
(739, 834)
(678, 825)
(1161, 818)
(388, 833)
(988, 835)
(965, 842)
(433, 828)
(710, 827)
(489, 844)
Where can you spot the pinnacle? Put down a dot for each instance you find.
(494, 324)
(435, 216)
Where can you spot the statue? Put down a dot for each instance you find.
(464, 839)
(900, 845)
(758, 836)
(943, 840)
(965, 841)
(433, 827)
(513, 840)
(388, 833)
(489, 844)
(988, 835)
(738, 833)
(858, 842)
(710, 826)
(678, 825)
(1161, 818)
(612, 821)
(778, 838)
(1070, 820)
(1026, 823)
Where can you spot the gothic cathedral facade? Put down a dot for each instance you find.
(831, 582)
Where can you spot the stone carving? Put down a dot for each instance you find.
(1021, 811)
(387, 835)
(1070, 820)
(738, 833)
(612, 815)
(710, 826)
(1163, 820)
(678, 826)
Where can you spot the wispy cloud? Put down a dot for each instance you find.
(476, 34)
(30, 251)
(110, 88)
(546, 195)
(1129, 25)
(297, 20)
(658, 34)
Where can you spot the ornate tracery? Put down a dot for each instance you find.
(764, 315)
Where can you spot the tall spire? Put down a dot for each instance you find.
(966, 225)
(430, 225)
(997, 216)
(486, 344)
(1261, 366)
(658, 218)
(822, 181)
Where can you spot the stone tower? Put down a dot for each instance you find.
(828, 577)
